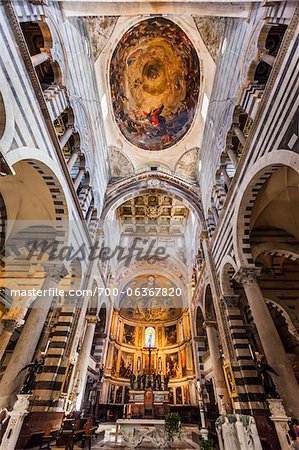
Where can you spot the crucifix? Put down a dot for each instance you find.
(149, 349)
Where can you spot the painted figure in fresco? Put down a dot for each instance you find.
(156, 119)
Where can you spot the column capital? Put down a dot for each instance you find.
(10, 324)
(204, 235)
(92, 319)
(230, 301)
(55, 271)
(247, 275)
(210, 323)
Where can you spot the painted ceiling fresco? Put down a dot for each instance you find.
(154, 79)
(150, 298)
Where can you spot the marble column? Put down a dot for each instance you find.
(232, 156)
(72, 161)
(10, 324)
(17, 416)
(66, 135)
(78, 178)
(32, 329)
(82, 364)
(269, 59)
(39, 58)
(218, 373)
(225, 175)
(239, 133)
(275, 354)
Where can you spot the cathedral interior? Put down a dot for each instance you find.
(149, 227)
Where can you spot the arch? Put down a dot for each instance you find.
(227, 269)
(280, 249)
(133, 186)
(253, 181)
(208, 306)
(7, 117)
(291, 327)
(102, 318)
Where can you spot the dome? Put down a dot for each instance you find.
(154, 79)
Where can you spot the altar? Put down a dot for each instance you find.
(147, 404)
(134, 431)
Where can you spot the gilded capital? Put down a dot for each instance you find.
(92, 319)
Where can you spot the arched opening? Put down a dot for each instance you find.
(39, 42)
(271, 48)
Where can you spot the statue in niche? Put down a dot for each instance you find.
(143, 378)
(159, 382)
(154, 382)
(33, 369)
(139, 381)
(149, 381)
(166, 382)
(264, 371)
(132, 380)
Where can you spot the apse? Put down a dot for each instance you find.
(154, 80)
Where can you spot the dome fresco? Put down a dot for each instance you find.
(154, 79)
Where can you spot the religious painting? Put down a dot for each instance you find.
(67, 379)
(154, 80)
(150, 334)
(126, 365)
(111, 394)
(230, 380)
(171, 396)
(179, 397)
(171, 335)
(114, 361)
(119, 394)
(172, 365)
(151, 298)
(129, 334)
(184, 362)
(186, 393)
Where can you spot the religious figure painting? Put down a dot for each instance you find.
(114, 361)
(184, 362)
(129, 334)
(126, 365)
(154, 80)
(171, 334)
(172, 365)
(230, 380)
(150, 298)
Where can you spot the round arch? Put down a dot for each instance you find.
(227, 269)
(254, 180)
(135, 185)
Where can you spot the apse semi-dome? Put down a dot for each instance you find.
(154, 79)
